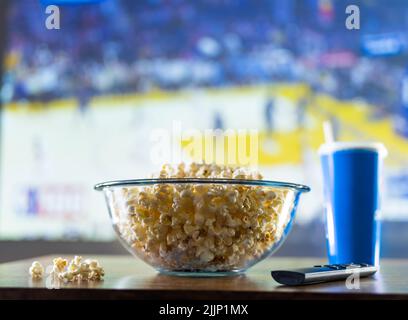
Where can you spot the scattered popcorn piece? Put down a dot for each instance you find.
(36, 270)
(59, 264)
(84, 271)
(96, 271)
(75, 270)
(202, 226)
(66, 276)
(77, 260)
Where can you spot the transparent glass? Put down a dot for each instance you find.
(204, 227)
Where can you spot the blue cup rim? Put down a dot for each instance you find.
(331, 147)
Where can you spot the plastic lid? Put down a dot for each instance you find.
(340, 146)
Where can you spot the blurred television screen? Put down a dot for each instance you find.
(84, 103)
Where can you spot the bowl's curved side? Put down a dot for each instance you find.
(276, 246)
(118, 209)
(108, 194)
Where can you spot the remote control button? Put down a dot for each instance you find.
(332, 266)
(363, 264)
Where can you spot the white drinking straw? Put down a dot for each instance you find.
(328, 132)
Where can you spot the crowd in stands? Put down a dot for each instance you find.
(126, 46)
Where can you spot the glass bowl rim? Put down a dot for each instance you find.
(141, 182)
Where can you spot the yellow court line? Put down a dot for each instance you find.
(293, 91)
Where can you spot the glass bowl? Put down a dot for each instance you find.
(199, 226)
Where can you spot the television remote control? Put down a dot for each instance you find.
(322, 273)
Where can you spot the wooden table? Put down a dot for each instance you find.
(129, 278)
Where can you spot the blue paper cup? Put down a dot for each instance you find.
(351, 183)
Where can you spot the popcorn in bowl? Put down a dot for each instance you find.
(201, 218)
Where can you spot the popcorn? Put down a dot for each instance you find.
(211, 227)
(91, 270)
(82, 270)
(36, 270)
(96, 274)
(77, 260)
(75, 270)
(59, 264)
(66, 276)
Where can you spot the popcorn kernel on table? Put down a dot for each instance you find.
(76, 269)
(59, 264)
(36, 270)
(201, 226)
